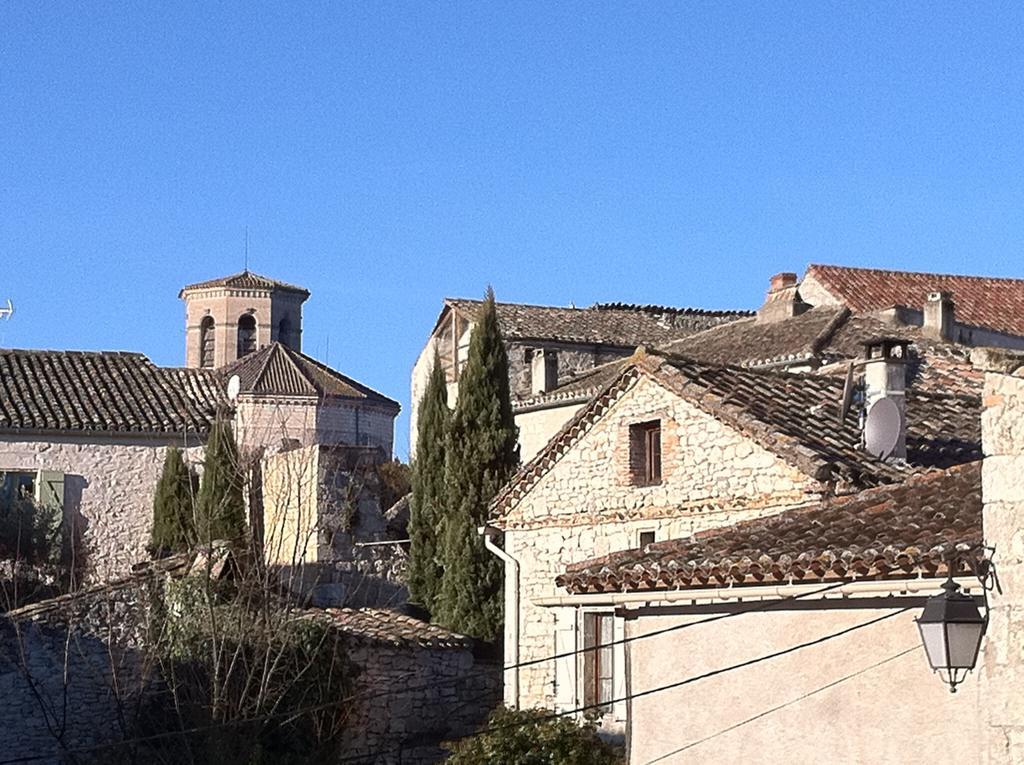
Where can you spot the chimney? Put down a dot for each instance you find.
(939, 316)
(543, 371)
(783, 301)
(885, 404)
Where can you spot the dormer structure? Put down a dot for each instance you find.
(233, 316)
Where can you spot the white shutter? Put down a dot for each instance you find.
(565, 666)
(619, 671)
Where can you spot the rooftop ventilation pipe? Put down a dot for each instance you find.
(885, 406)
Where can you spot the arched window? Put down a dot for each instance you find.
(206, 342)
(246, 335)
(284, 332)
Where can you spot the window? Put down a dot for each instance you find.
(246, 335)
(206, 342)
(645, 538)
(16, 487)
(284, 332)
(598, 664)
(645, 452)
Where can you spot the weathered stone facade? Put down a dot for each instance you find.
(108, 490)
(418, 698)
(1002, 661)
(587, 505)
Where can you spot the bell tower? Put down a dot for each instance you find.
(233, 316)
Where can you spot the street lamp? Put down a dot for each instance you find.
(951, 629)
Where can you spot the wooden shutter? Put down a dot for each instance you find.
(50, 489)
(565, 666)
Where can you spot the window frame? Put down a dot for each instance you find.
(598, 669)
(645, 453)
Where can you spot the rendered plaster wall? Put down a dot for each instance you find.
(897, 711)
(108, 492)
(269, 421)
(586, 506)
(537, 427)
(1002, 661)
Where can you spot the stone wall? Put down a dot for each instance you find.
(586, 505)
(108, 491)
(60, 662)
(573, 359)
(421, 697)
(1002, 661)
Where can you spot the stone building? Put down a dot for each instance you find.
(549, 345)
(230, 317)
(76, 673)
(88, 431)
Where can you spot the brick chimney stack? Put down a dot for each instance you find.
(939, 316)
(783, 301)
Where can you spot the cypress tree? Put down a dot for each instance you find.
(220, 507)
(481, 456)
(172, 506)
(428, 502)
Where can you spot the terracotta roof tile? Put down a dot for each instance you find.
(277, 370)
(898, 531)
(386, 627)
(980, 301)
(245, 280)
(793, 415)
(104, 391)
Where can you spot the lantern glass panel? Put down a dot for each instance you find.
(933, 635)
(963, 640)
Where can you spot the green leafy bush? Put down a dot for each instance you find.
(534, 737)
(30, 531)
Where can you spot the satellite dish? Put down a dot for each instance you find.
(234, 385)
(883, 428)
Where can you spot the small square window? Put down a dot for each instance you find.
(646, 538)
(645, 453)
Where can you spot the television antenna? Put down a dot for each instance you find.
(8, 311)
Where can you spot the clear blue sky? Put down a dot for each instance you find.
(386, 155)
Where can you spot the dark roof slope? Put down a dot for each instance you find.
(793, 415)
(385, 627)
(277, 370)
(826, 335)
(603, 324)
(980, 301)
(105, 391)
(245, 280)
(891, 531)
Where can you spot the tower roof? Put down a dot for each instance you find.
(245, 280)
(277, 370)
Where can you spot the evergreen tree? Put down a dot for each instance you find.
(172, 506)
(428, 502)
(481, 456)
(220, 510)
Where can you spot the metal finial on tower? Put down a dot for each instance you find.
(247, 248)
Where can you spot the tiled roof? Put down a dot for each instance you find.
(893, 531)
(246, 280)
(384, 627)
(103, 392)
(793, 415)
(980, 301)
(277, 370)
(826, 335)
(604, 324)
(748, 342)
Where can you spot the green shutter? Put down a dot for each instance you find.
(50, 489)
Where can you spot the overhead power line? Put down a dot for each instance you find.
(760, 606)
